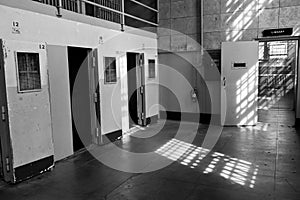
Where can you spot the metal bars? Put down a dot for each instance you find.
(110, 10)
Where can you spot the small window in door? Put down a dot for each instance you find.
(29, 76)
(110, 73)
(151, 68)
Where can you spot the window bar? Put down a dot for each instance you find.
(122, 15)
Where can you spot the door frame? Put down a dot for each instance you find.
(140, 86)
(95, 107)
(288, 38)
(6, 147)
(94, 94)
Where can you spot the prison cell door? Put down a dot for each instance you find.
(95, 99)
(26, 132)
(5, 148)
(141, 98)
(83, 72)
(239, 77)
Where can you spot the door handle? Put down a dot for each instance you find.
(224, 81)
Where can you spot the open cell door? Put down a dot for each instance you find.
(239, 74)
(26, 133)
(95, 100)
(5, 142)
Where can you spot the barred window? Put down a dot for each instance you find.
(110, 70)
(151, 68)
(29, 77)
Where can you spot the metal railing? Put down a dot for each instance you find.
(110, 10)
(71, 5)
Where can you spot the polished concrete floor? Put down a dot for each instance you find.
(261, 162)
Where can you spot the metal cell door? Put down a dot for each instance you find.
(6, 151)
(239, 83)
(141, 100)
(25, 110)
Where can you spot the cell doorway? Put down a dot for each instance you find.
(80, 96)
(277, 81)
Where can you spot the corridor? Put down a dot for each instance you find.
(259, 162)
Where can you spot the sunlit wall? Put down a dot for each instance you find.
(235, 20)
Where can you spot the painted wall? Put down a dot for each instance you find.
(179, 49)
(29, 113)
(62, 32)
(60, 101)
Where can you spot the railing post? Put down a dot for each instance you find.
(79, 7)
(123, 15)
(60, 3)
(58, 8)
(82, 5)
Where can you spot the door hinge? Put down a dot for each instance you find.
(94, 61)
(3, 113)
(141, 63)
(97, 132)
(96, 97)
(7, 164)
(142, 115)
(142, 89)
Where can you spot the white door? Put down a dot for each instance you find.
(239, 83)
(27, 111)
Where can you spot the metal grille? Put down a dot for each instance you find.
(151, 68)
(110, 70)
(92, 9)
(276, 71)
(71, 5)
(28, 71)
(133, 13)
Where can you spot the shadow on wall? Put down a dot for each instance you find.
(244, 16)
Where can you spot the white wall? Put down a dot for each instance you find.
(60, 101)
(36, 27)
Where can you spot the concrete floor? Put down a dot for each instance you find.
(261, 162)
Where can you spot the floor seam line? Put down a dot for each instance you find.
(118, 186)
